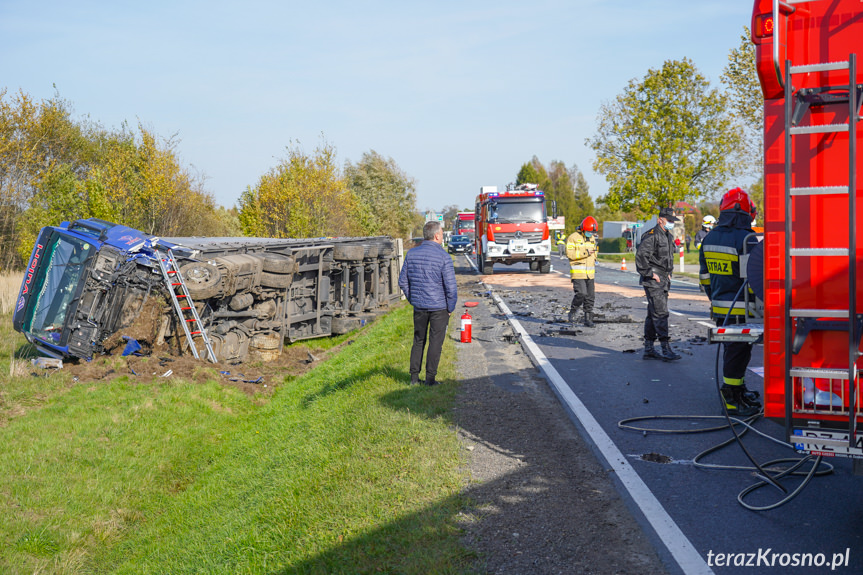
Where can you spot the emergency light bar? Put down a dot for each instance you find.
(517, 193)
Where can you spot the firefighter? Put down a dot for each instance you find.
(720, 276)
(654, 261)
(706, 225)
(561, 244)
(581, 251)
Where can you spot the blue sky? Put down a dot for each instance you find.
(459, 93)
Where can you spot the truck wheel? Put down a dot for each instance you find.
(278, 263)
(386, 249)
(276, 280)
(265, 341)
(348, 253)
(202, 279)
(370, 251)
(544, 266)
(342, 325)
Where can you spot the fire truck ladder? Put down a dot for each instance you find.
(187, 313)
(806, 320)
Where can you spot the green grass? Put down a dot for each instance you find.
(345, 470)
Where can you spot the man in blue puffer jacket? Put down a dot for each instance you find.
(428, 282)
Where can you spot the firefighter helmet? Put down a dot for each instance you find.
(738, 200)
(708, 221)
(589, 224)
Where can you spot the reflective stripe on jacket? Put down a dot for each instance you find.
(581, 252)
(719, 274)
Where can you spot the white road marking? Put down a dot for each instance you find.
(669, 533)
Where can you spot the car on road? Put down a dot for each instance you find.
(460, 244)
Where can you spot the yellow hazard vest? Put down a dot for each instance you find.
(582, 256)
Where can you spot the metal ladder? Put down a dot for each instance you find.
(187, 313)
(806, 320)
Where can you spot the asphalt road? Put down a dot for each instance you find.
(603, 368)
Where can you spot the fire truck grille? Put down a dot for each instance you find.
(531, 237)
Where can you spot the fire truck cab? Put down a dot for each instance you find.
(511, 227)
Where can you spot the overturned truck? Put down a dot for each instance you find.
(91, 286)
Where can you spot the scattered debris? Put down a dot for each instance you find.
(47, 362)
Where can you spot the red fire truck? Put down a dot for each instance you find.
(812, 301)
(512, 226)
(463, 224)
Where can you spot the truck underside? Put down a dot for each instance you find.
(251, 296)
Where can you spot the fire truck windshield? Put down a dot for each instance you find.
(518, 212)
(54, 287)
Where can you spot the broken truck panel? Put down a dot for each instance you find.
(89, 280)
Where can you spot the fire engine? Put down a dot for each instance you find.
(812, 318)
(512, 226)
(463, 224)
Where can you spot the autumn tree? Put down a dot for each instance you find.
(746, 100)
(303, 196)
(40, 143)
(386, 195)
(666, 138)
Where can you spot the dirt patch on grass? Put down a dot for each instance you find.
(254, 377)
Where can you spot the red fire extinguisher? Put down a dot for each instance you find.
(465, 328)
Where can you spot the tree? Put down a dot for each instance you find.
(666, 138)
(303, 196)
(747, 106)
(385, 194)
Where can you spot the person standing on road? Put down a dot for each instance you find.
(706, 226)
(654, 261)
(688, 241)
(720, 276)
(561, 244)
(581, 251)
(428, 282)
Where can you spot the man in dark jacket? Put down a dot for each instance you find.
(428, 282)
(654, 261)
(720, 257)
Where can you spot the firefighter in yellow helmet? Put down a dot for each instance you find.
(581, 251)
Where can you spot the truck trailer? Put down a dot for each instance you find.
(90, 285)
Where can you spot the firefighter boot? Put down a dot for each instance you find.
(751, 395)
(588, 319)
(572, 319)
(650, 351)
(736, 402)
(668, 354)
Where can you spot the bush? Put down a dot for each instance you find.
(612, 245)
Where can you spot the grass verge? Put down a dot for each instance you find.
(345, 470)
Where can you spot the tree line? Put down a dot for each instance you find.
(54, 168)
